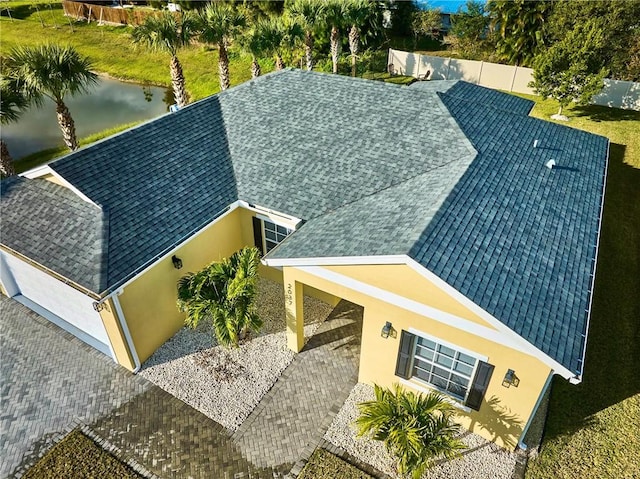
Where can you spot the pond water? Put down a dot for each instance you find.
(109, 104)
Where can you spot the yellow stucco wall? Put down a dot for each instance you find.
(116, 336)
(53, 179)
(404, 281)
(505, 411)
(149, 303)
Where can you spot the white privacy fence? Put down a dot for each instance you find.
(616, 93)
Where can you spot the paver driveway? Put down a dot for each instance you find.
(49, 380)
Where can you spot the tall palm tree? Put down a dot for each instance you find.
(415, 428)
(12, 103)
(521, 28)
(219, 23)
(356, 13)
(223, 293)
(277, 33)
(254, 43)
(53, 71)
(309, 14)
(334, 16)
(168, 33)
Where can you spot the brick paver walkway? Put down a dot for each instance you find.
(291, 419)
(48, 380)
(51, 381)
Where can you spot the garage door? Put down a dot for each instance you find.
(59, 303)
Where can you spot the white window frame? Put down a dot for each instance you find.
(416, 380)
(269, 219)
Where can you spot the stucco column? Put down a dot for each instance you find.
(293, 299)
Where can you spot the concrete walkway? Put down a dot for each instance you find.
(291, 419)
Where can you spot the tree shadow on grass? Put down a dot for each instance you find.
(599, 113)
(613, 343)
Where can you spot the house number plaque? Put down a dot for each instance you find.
(289, 294)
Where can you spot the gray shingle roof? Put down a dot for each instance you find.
(478, 94)
(160, 181)
(51, 225)
(373, 169)
(520, 239)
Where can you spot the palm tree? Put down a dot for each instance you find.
(356, 13)
(167, 33)
(415, 428)
(12, 103)
(253, 42)
(223, 293)
(219, 24)
(52, 71)
(309, 15)
(334, 15)
(521, 28)
(277, 33)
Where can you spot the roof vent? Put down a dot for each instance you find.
(535, 143)
(550, 164)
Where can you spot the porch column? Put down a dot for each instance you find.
(293, 299)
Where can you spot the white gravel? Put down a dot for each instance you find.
(482, 460)
(227, 384)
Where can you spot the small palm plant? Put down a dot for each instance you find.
(223, 293)
(167, 33)
(52, 71)
(416, 429)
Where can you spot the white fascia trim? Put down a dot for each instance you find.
(410, 305)
(45, 170)
(578, 378)
(336, 261)
(232, 207)
(37, 172)
(125, 328)
(277, 217)
(515, 341)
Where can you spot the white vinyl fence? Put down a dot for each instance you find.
(616, 93)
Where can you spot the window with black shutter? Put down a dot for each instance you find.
(267, 234)
(444, 367)
(257, 234)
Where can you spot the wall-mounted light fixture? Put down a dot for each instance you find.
(177, 262)
(386, 329)
(98, 306)
(510, 379)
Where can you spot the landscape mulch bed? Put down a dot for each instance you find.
(324, 465)
(78, 457)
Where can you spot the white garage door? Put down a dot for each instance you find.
(67, 307)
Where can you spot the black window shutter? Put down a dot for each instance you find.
(479, 385)
(257, 233)
(405, 353)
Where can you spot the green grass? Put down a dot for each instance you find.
(593, 428)
(78, 456)
(324, 465)
(112, 51)
(44, 156)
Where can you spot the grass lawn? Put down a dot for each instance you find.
(77, 456)
(593, 427)
(324, 465)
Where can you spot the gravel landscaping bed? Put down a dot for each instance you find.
(227, 384)
(483, 459)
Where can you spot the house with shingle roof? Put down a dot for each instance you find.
(434, 207)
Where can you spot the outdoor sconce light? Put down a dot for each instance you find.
(510, 379)
(98, 306)
(386, 330)
(177, 262)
